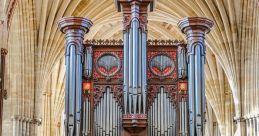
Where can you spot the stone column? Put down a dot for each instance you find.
(3, 92)
(195, 29)
(74, 29)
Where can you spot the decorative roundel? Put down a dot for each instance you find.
(161, 65)
(108, 64)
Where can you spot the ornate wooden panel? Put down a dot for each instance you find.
(107, 65)
(161, 62)
(107, 68)
(162, 71)
(162, 65)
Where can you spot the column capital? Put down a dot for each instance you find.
(195, 24)
(74, 23)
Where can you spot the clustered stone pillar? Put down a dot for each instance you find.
(74, 28)
(195, 29)
(2, 87)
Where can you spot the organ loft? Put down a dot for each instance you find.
(129, 68)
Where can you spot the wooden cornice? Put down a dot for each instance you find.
(116, 43)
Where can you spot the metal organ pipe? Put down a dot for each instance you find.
(130, 72)
(88, 62)
(107, 112)
(74, 28)
(182, 62)
(165, 114)
(156, 117)
(87, 73)
(135, 70)
(182, 74)
(104, 113)
(86, 117)
(162, 116)
(144, 70)
(195, 29)
(183, 116)
(126, 69)
(135, 39)
(158, 114)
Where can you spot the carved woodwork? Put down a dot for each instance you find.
(159, 69)
(115, 89)
(119, 43)
(142, 8)
(114, 49)
(109, 68)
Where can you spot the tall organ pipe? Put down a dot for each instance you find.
(126, 69)
(144, 69)
(108, 111)
(88, 62)
(87, 73)
(74, 28)
(182, 62)
(86, 117)
(162, 116)
(130, 70)
(182, 74)
(195, 29)
(135, 25)
(135, 39)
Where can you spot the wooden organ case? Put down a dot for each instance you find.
(104, 98)
(135, 86)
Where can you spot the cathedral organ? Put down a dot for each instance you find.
(164, 99)
(134, 86)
